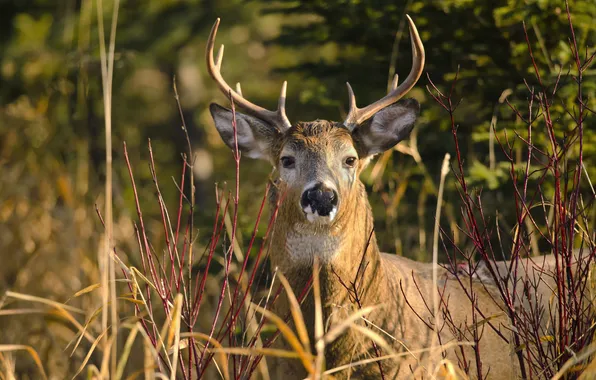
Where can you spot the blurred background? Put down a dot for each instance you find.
(52, 144)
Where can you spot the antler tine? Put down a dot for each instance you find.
(357, 116)
(276, 118)
(281, 103)
(219, 58)
(352, 99)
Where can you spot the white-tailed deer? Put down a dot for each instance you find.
(326, 214)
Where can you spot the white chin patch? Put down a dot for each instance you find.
(314, 217)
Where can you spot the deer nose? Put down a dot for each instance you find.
(320, 198)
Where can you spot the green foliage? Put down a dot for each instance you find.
(483, 176)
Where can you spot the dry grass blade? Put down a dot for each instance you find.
(175, 320)
(89, 353)
(337, 330)
(586, 354)
(86, 290)
(215, 343)
(126, 351)
(133, 277)
(296, 312)
(135, 272)
(289, 336)
(319, 331)
(444, 347)
(484, 321)
(588, 179)
(229, 230)
(105, 359)
(434, 291)
(148, 362)
(363, 362)
(62, 310)
(182, 345)
(57, 305)
(275, 352)
(373, 336)
(174, 333)
(132, 300)
(9, 366)
(106, 265)
(164, 333)
(21, 312)
(83, 332)
(30, 350)
(150, 356)
(93, 372)
(252, 327)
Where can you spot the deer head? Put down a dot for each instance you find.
(318, 162)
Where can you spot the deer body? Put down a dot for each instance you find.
(324, 213)
(381, 283)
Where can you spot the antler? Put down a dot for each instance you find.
(357, 116)
(276, 118)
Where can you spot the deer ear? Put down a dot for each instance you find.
(386, 128)
(255, 137)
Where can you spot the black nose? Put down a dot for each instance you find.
(320, 198)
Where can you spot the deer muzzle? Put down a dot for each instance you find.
(319, 203)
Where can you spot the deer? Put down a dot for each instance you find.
(325, 216)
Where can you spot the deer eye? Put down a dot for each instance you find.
(350, 162)
(288, 162)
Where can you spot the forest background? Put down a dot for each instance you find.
(52, 146)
